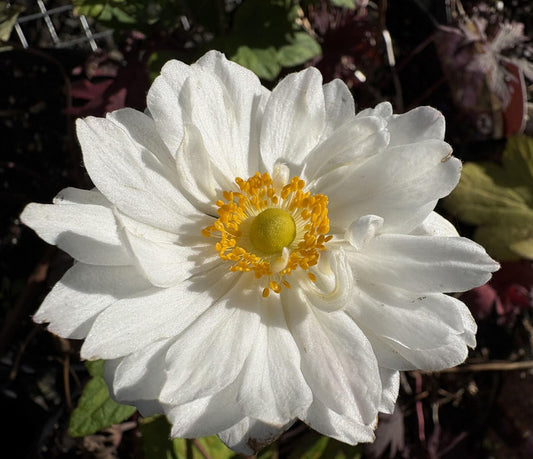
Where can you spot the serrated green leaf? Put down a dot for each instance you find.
(499, 200)
(96, 410)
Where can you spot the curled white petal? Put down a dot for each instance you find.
(364, 229)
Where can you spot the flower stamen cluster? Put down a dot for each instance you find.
(300, 220)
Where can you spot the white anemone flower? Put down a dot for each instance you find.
(249, 257)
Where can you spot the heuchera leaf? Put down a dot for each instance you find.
(96, 410)
(157, 444)
(499, 200)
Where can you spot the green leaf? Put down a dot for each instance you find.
(132, 14)
(96, 410)
(301, 48)
(8, 19)
(263, 62)
(499, 200)
(524, 247)
(95, 367)
(156, 443)
(344, 3)
(109, 12)
(316, 446)
(266, 36)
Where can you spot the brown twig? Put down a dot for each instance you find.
(66, 381)
(201, 449)
(16, 364)
(486, 366)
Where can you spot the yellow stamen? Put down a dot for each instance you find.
(271, 229)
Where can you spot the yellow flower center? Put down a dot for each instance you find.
(271, 228)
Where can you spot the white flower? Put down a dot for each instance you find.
(249, 258)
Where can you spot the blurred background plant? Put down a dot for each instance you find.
(62, 59)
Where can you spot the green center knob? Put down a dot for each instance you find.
(272, 230)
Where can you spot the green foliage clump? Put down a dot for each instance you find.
(262, 35)
(498, 199)
(96, 410)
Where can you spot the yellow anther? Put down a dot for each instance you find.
(274, 286)
(270, 231)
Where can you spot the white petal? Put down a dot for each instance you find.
(247, 96)
(421, 123)
(390, 382)
(138, 376)
(273, 387)
(77, 196)
(206, 416)
(142, 131)
(423, 264)
(340, 106)
(250, 435)
(200, 178)
(210, 353)
(401, 184)
(337, 360)
(82, 224)
(351, 143)
(207, 105)
(363, 230)
(165, 258)
(83, 293)
(383, 110)
(341, 427)
(333, 285)
(129, 325)
(409, 326)
(294, 118)
(435, 225)
(131, 176)
(394, 354)
(163, 105)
